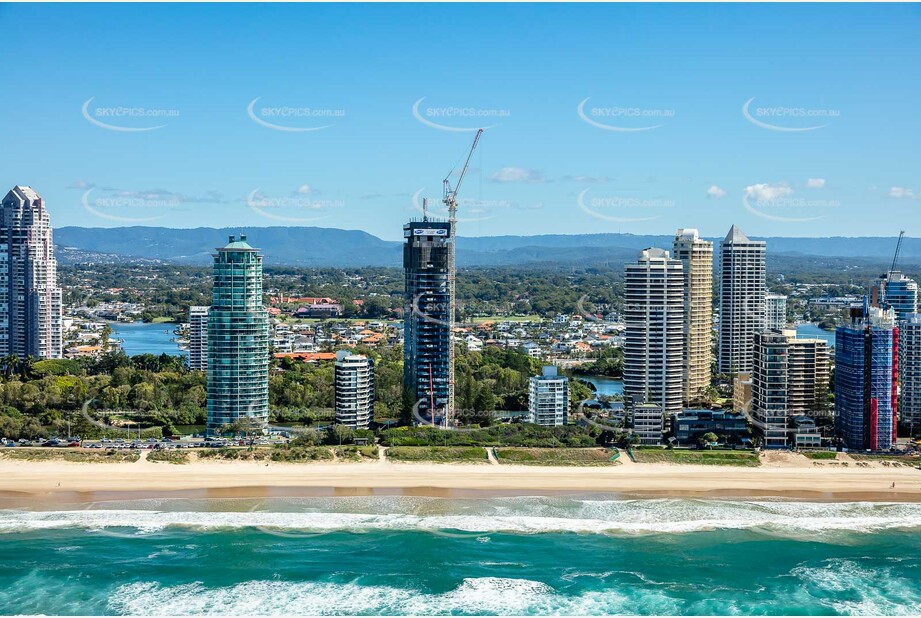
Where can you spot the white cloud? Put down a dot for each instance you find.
(587, 179)
(517, 174)
(82, 185)
(815, 183)
(716, 192)
(767, 192)
(304, 190)
(900, 192)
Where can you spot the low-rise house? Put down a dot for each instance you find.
(690, 424)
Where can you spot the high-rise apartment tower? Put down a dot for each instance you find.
(789, 378)
(742, 290)
(427, 317)
(238, 340)
(30, 299)
(866, 379)
(654, 337)
(198, 338)
(696, 257)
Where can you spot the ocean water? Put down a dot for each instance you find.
(565, 555)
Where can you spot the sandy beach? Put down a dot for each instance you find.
(781, 475)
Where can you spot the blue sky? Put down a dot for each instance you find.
(829, 145)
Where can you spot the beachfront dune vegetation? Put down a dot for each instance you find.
(513, 434)
(291, 453)
(438, 454)
(75, 456)
(169, 456)
(150, 396)
(708, 457)
(556, 456)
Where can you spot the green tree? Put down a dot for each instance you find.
(708, 439)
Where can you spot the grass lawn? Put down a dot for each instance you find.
(80, 456)
(713, 458)
(161, 320)
(438, 454)
(554, 456)
(820, 454)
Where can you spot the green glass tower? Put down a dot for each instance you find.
(238, 340)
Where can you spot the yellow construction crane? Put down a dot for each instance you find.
(450, 201)
(450, 195)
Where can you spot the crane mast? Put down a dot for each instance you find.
(450, 200)
(898, 248)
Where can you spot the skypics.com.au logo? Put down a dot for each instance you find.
(117, 205)
(472, 210)
(788, 119)
(616, 208)
(623, 119)
(289, 208)
(448, 118)
(776, 202)
(126, 119)
(293, 119)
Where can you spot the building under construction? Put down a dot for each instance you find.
(427, 317)
(866, 378)
(428, 307)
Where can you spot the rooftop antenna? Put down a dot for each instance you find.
(425, 209)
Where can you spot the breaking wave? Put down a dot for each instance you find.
(508, 515)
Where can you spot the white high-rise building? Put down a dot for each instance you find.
(654, 337)
(548, 398)
(648, 423)
(789, 378)
(742, 290)
(696, 256)
(775, 312)
(30, 299)
(354, 390)
(910, 369)
(198, 338)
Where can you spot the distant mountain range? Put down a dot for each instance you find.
(318, 247)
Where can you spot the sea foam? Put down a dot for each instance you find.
(840, 586)
(509, 515)
(477, 595)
